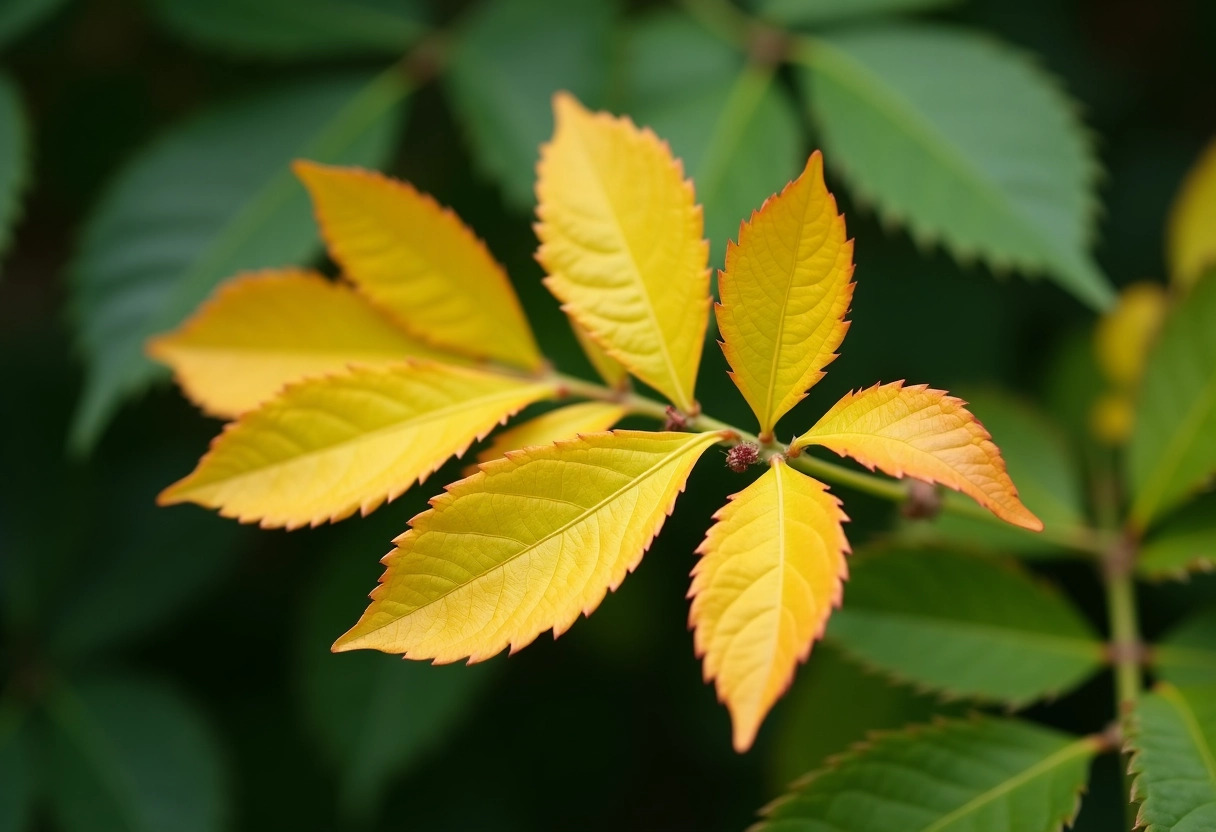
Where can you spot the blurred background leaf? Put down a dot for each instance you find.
(211, 198)
(16, 769)
(820, 12)
(18, 16)
(511, 56)
(14, 159)
(288, 29)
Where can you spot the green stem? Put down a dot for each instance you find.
(722, 18)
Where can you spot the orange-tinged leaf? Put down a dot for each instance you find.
(923, 433)
(326, 447)
(562, 423)
(610, 370)
(621, 239)
(1191, 234)
(420, 263)
(524, 545)
(265, 329)
(770, 573)
(785, 291)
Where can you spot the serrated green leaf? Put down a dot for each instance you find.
(979, 775)
(127, 755)
(16, 770)
(212, 198)
(1186, 542)
(1042, 465)
(819, 12)
(731, 124)
(511, 56)
(19, 16)
(1186, 655)
(1173, 744)
(374, 715)
(964, 141)
(860, 703)
(296, 28)
(1173, 445)
(964, 625)
(14, 159)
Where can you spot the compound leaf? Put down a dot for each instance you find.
(771, 572)
(419, 263)
(297, 28)
(561, 423)
(1173, 446)
(953, 776)
(964, 625)
(965, 141)
(923, 433)
(525, 545)
(214, 197)
(326, 447)
(261, 331)
(1173, 744)
(621, 241)
(1186, 655)
(785, 292)
(1191, 234)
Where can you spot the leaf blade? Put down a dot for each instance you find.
(1186, 654)
(1173, 745)
(924, 433)
(263, 330)
(1189, 248)
(566, 422)
(327, 447)
(743, 555)
(414, 610)
(785, 291)
(629, 266)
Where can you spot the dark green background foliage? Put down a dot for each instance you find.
(165, 669)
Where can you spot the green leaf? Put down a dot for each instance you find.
(509, 59)
(1173, 445)
(130, 756)
(732, 125)
(1173, 743)
(1043, 468)
(963, 140)
(819, 12)
(375, 715)
(297, 28)
(1186, 655)
(212, 198)
(859, 702)
(16, 770)
(979, 775)
(965, 625)
(14, 158)
(19, 16)
(1185, 542)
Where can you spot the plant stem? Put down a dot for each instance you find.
(1081, 539)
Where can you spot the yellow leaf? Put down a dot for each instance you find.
(1125, 334)
(1191, 235)
(263, 330)
(420, 263)
(1112, 417)
(611, 371)
(526, 544)
(785, 291)
(770, 573)
(621, 239)
(923, 433)
(562, 423)
(324, 448)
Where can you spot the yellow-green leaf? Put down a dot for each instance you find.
(1191, 235)
(621, 239)
(563, 423)
(526, 544)
(610, 370)
(785, 291)
(420, 263)
(770, 573)
(324, 448)
(923, 433)
(1124, 335)
(265, 329)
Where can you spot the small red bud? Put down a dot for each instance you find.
(675, 420)
(742, 456)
